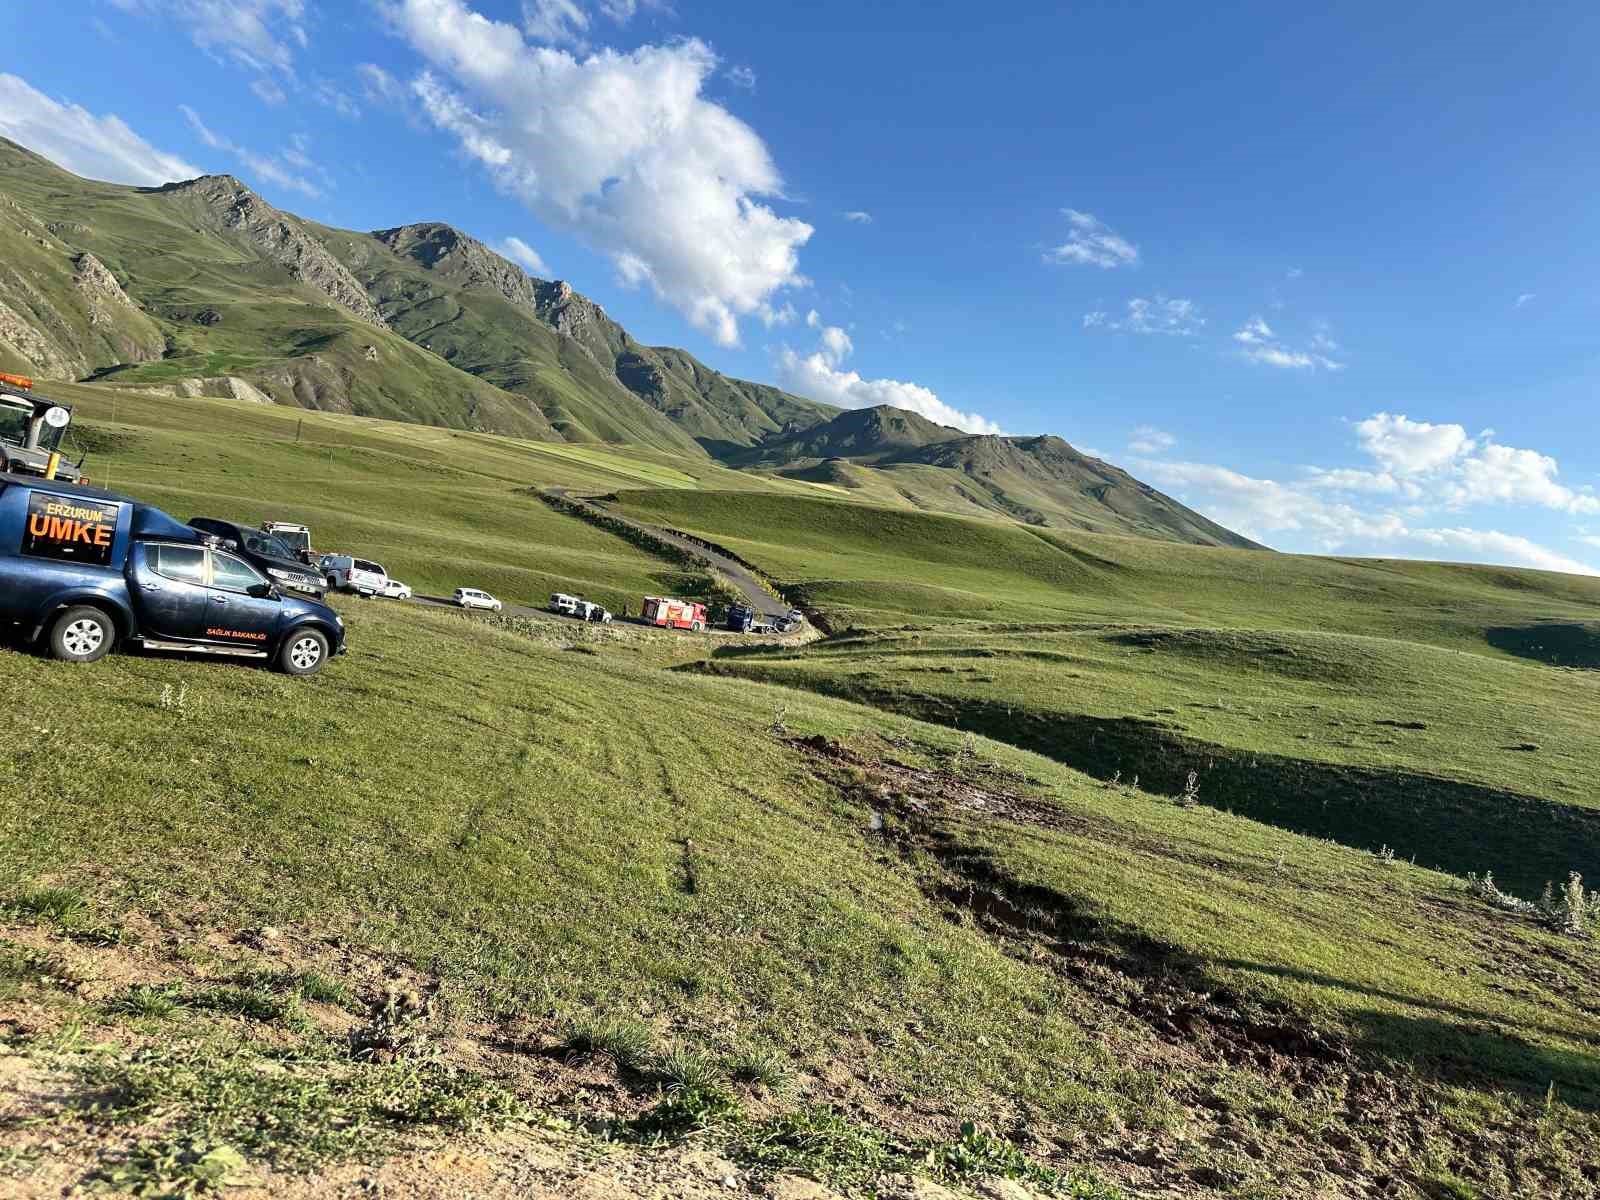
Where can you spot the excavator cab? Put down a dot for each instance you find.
(31, 430)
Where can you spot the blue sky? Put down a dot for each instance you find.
(1327, 275)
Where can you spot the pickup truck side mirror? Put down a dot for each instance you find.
(262, 591)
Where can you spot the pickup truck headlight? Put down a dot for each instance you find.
(277, 574)
(339, 619)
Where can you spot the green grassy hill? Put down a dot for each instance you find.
(815, 907)
(202, 287)
(561, 850)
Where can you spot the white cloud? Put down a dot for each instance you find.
(1524, 299)
(1410, 447)
(1505, 475)
(74, 138)
(329, 95)
(1255, 332)
(1293, 273)
(1353, 479)
(1262, 345)
(271, 168)
(1420, 472)
(836, 345)
(555, 21)
(378, 86)
(1158, 314)
(859, 217)
(1590, 539)
(741, 77)
(1261, 508)
(813, 376)
(1091, 242)
(820, 376)
(259, 34)
(518, 251)
(267, 90)
(621, 149)
(1147, 439)
(777, 316)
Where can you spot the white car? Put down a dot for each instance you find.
(395, 590)
(473, 598)
(588, 610)
(564, 604)
(346, 574)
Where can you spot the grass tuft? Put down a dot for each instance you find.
(146, 1000)
(687, 1069)
(761, 1065)
(628, 1043)
(252, 1003)
(320, 989)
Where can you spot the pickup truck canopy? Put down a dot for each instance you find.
(153, 523)
(147, 522)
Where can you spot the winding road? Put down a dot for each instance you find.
(767, 606)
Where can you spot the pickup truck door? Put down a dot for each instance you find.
(169, 591)
(236, 617)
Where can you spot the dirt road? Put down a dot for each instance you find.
(765, 604)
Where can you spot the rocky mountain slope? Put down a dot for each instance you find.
(1036, 480)
(202, 287)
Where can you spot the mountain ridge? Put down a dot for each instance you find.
(202, 285)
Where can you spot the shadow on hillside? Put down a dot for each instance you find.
(1461, 1045)
(1441, 823)
(1561, 644)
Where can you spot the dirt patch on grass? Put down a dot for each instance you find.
(1381, 1121)
(1442, 823)
(922, 812)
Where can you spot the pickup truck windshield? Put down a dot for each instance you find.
(268, 544)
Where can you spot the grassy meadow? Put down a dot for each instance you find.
(817, 907)
(545, 823)
(439, 508)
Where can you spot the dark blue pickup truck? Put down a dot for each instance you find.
(84, 569)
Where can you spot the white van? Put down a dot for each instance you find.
(564, 604)
(359, 575)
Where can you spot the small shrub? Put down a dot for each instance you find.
(1484, 888)
(626, 1043)
(819, 1142)
(397, 1028)
(1191, 790)
(185, 1167)
(683, 1111)
(1573, 912)
(1384, 853)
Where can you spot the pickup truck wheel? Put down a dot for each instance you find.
(303, 653)
(82, 634)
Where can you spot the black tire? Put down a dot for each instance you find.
(82, 634)
(303, 652)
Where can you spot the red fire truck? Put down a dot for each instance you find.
(674, 614)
